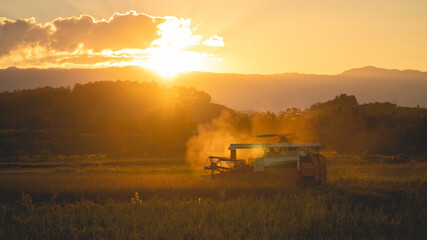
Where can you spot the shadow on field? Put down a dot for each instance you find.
(21, 165)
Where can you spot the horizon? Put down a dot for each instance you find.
(248, 92)
(370, 67)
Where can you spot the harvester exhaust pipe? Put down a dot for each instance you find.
(233, 154)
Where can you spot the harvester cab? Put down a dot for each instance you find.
(298, 162)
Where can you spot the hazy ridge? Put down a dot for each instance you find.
(250, 92)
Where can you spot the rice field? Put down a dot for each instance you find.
(93, 197)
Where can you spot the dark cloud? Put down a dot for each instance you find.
(130, 30)
(14, 34)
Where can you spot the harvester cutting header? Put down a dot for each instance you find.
(299, 162)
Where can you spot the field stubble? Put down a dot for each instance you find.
(161, 198)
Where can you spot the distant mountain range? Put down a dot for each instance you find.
(250, 92)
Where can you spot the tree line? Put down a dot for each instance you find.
(122, 117)
(344, 125)
(127, 118)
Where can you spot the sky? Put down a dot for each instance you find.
(250, 36)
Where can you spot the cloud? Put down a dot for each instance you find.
(129, 30)
(177, 33)
(123, 39)
(214, 41)
(22, 32)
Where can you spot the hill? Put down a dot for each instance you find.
(281, 91)
(250, 92)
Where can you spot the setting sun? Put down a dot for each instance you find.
(169, 54)
(168, 62)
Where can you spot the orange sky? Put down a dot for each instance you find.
(272, 36)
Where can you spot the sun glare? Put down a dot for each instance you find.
(169, 62)
(169, 56)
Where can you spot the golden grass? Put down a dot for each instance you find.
(81, 198)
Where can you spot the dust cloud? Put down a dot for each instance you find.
(214, 138)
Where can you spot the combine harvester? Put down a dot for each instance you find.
(294, 162)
